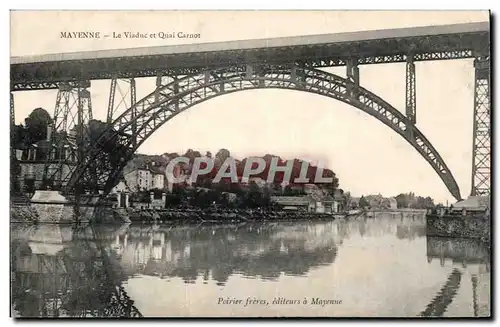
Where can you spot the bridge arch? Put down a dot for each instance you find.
(140, 121)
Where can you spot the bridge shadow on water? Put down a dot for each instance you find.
(61, 271)
(470, 258)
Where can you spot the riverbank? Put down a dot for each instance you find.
(23, 214)
(217, 216)
(27, 214)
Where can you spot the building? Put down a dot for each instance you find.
(121, 187)
(41, 158)
(392, 203)
(308, 203)
(472, 204)
(293, 203)
(146, 177)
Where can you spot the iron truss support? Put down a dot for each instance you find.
(411, 93)
(481, 143)
(126, 96)
(171, 99)
(72, 114)
(352, 72)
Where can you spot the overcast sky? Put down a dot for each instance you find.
(367, 156)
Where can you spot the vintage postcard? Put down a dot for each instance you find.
(331, 164)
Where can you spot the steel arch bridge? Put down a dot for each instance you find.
(141, 120)
(189, 74)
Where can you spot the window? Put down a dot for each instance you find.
(140, 181)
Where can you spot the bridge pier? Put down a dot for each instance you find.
(72, 111)
(352, 72)
(159, 75)
(481, 142)
(126, 89)
(249, 71)
(411, 93)
(176, 91)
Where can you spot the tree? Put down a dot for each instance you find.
(18, 135)
(288, 191)
(422, 203)
(105, 139)
(36, 125)
(402, 200)
(251, 198)
(409, 200)
(363, 202)
(15, 171)
(347, 199)
(266, 198)
(29, 185)
(221, 156)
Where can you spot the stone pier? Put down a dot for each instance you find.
(53, 207)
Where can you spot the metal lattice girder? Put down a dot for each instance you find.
(388, 59)
(429, 43)
(310, 62)
(163, 104)
(72, 112)
(411, 93)
(481, 146)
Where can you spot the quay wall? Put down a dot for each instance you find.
(473, 226)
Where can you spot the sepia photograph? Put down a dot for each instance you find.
(332, 164)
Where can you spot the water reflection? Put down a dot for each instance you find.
(467, 256)
(255, 250)
(61, 271)
(444, 297)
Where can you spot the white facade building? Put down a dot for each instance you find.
(145, 178)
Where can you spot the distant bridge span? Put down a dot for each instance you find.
(189, 74)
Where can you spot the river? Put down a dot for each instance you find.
(376, 267)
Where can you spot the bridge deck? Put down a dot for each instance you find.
(391, 45)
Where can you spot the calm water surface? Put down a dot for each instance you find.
(383, 266)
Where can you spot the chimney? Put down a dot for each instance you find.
(49, 132)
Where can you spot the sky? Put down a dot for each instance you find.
(367, 156)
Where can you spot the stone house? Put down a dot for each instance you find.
(33, 159)
(146, 177)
